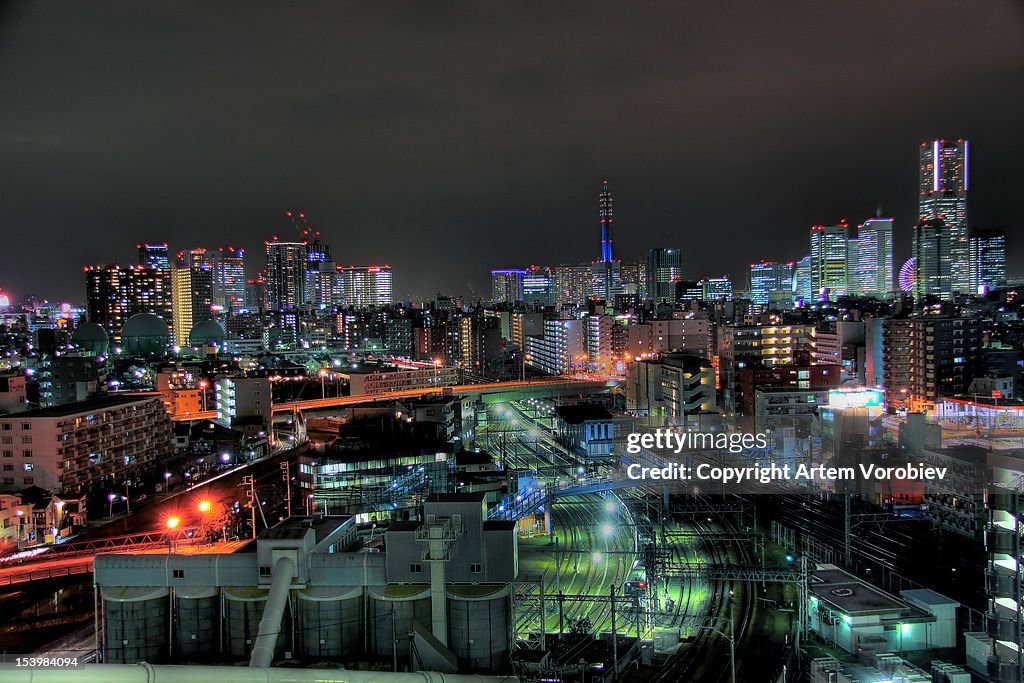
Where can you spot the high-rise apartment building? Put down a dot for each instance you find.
(571, 284)
(192, 296)
(286, 274)
(228, 265)
(803, 283)
(365, 286)
(507, 285)
(925, 359)
(114, 294)
(664, 270)
(829, 259)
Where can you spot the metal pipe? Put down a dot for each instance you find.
(273, 612)
(148, 673)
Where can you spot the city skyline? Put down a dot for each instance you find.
(699, 135)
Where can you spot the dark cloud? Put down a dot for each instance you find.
(447, 138)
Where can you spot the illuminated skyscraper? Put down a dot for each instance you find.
(767, 277)
(571, 284)
(507, 286)
(664, 270)
(539, 286)
(192, 286)
(115, 294)
(943, 195)
(365, 286)
(716, 288)
(988, 259)
(829, 259)
(228, 265)
(870, 258)
(154, 255)
(286, 275)
(803, 284)
(932, 259)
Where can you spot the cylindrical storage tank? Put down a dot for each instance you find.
(392, 611)
(330, 621)
(479, 626)
(135, 624)
(197, 611)
(243, 609)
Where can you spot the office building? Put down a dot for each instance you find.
(829, 260)
(114, 294)
(803, 281)
(539, 286)
(933, 260)
(944, 182)
(664, 271)
(719, 288)
(871, 266)
(228, 265)
(285, 275)
(154, 256)
(988, 260)
(767, 277)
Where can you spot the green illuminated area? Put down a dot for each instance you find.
(595, 550)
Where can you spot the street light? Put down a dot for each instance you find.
(172, 524)
(323, 390)
(110, 506)
(202, 387)
(204, 506)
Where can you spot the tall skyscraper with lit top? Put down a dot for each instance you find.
(154, 255)
(829, 259)
(944, 180)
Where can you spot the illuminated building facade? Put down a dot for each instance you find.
(871, 266)
(571, 285)
(944, 182)
(767, 277)
(988, 259)
(507, 286)
(365, 286)
(229, 282)
(664, 270)
(539, 286)
(192, 297)
(933, 260)
(154, 255)
(803, 283)
(116, 293)
(924, 359)
(713, 288)
(829, 259)
(285, 275)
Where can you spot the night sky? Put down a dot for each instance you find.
(449, 138)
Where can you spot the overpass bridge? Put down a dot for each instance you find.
(491, 392)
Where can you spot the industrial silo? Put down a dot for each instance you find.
(197, 634)
(135, 624)
(392, 611)
(479, 626)
(330, 621)
(243, 609)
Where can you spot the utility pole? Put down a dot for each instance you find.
(286, 475)
(249, 481)
(615, 635)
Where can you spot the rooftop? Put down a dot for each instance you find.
(583, 412)
(849, 595)
(91, 405)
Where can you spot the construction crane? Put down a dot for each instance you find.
(318, 251)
